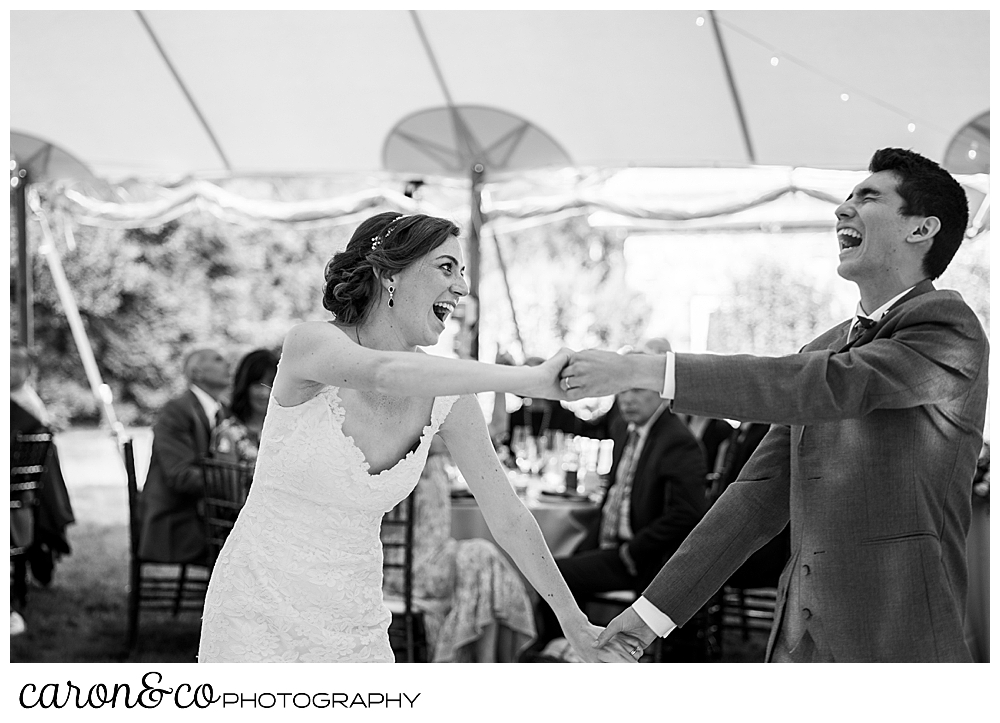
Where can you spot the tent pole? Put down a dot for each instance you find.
(506, 285)
(740, 115)
(101, 391)
(475, 231)
(25, 323)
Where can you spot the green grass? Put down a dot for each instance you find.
(80, 617)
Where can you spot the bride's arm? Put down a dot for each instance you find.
(513, 526)
(319, 352)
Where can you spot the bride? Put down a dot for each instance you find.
(352, 412)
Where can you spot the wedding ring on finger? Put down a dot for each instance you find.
(635, 652)
(565, 384)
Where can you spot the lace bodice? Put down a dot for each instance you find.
(300, 575)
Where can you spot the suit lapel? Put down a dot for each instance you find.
(650, 450)
(922, 288)
(199, 413)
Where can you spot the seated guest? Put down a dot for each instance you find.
(476, 609)
(22, 389)
(715, 437)
(171, 519)
(237, 437)
(42, 529)
(655, 497)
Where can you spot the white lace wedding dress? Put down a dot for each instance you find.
(300, 577)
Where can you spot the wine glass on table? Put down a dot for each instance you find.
(519, 446)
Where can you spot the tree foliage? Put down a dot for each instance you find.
(568, 288)
(146, 296)
(772, 311)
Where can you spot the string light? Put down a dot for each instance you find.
(784, 55)
(700, 21)
(774, 60)
(972, 154)
(912, 127)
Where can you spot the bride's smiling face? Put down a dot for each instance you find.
(427, 291)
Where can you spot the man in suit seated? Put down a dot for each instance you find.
(171, 497)
(655, 497)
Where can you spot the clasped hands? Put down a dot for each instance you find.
(571, 375)
(623, 643)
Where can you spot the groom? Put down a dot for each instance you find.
(877, 425)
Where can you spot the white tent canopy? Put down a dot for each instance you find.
(295, 92)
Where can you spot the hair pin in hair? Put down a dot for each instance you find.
(377, 239)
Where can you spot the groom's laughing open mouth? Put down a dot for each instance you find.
(849, 238)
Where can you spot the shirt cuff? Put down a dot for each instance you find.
(658, 621)
(668, 377)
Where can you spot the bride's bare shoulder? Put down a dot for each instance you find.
(293, 385)
(309, 335)
(315, 329)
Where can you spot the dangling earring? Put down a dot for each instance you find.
(391, 302)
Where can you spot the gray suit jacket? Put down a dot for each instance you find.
(172, 526)
(871, 459)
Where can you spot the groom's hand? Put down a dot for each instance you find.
(627, 627)
(594, 373)
(544, 381)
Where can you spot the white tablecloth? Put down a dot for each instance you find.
(563, 522)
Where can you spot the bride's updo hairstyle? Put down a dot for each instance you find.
(381, 246)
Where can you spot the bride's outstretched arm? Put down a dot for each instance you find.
(515, 529)
(320, 353)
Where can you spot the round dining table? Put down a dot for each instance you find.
(562, 520)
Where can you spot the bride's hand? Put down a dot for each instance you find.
(542, 381)
(582, 638)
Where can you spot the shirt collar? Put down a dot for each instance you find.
(644, 429)
(877, 315)
(208, 404)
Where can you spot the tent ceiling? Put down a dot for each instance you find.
(320, 91)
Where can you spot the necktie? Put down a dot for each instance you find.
(619, 496)
(861, 325)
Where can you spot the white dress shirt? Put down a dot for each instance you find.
(876, 315)
(621, 492)
(656, 619)
(210, 406)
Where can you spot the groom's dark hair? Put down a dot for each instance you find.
(928, 190)
(381, 246)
